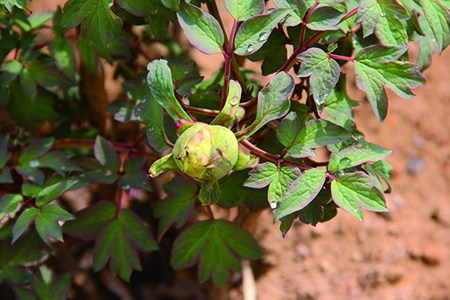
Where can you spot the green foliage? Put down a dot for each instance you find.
(257, 146)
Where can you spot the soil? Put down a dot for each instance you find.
(400, 255)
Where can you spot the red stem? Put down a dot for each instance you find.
(341, 57)
(228, 56)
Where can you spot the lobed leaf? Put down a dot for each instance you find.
(106, 154)
(47, 194)
(353, 156)
(46, 222)
(438, 17)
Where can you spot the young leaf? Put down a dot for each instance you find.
(46, 222)
(98, 22)
(241, 10)
(324, 72)
(132, 235)
(179, 204)
(163, 164)
(353, 156)
(150, 113)
(106, 155)
(273, 103)
(90, 220)
(254, 32)
(218, 246)
(161, 86)
(439, 20)
(227, 115)
(385, 19)
(354, 191)
(35, 149)
(47, 194)
(324, 18)
(296, 16)
(202, 29)
(209, 193)
(317, 133)
(300, 193)
(375, 67)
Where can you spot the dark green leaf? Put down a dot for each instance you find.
(209, 193)
(254, 32)
(354, 191)
(106, 154)
(28, 83)
(273, 103)
(46, 222)
(24, 220)
(324, 18)
(141, 7)
(45, 73)
(4, 154)
(10, 70)
(353, 156)
(31, 173)
(300, 193)
(62, 51)
(179, 204)
(134, 176)
(288, 129)
(241, 10)
(5, 175)
(98, 22)
(439, 20)
(35, 149)
(119, 240)
(294, 18)
(384, 169)
(58, 161)
(88, 54)
(122, 110)
(56, 24)
(158, 24)
(90, 220)
(93, 171)
(49, 193)
(202, 29)
(375, 68)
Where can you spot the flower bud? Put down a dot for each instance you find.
(206, 152)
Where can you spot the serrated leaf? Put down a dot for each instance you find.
(317, 133)
(178, 206)
(254, 32)
(439, 19)
(106, 154)
(62, 51)
(98, 22)
(10, 203)
(273, 103)
(217, 245)
(35, 149)
(202, 29)
(90, 220)
(31, 173)
(119, 241)
(324, 18)
(324, 72)
(159, 79)
(49, 193)
(339, 102)
(46, 222)
(375, 68)
(241, 10)
(4, 154)
(354, 191)
(300, 193)
(295, 17)
(24, 220)
(353, 156)
(150, 113)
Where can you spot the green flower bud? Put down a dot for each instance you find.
(206, 152)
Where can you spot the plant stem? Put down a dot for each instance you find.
(210, 213)
(202, 111)
(228, 57)
(340, 57)
(350, 14)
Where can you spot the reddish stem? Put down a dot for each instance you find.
(341, 57)
(210, 213)
(228, 56)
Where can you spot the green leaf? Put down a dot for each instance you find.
(234, 193)
(141, 7)
(106, 154)
(384, 169)
(5, 175)
(254, 32)
(158, 24)
(161, 86)
(384, 18)
(339, 103)
(353, 156)
(122, 109)
(288, 129)
(28, 83)
(57, 28)
(88, 54)
(62, 51)
(134, 176)
(24, 220)
(30, 189)
(172, 4)
(35, 149)
(90, 220)
(375, 68)
(324, 18)
(93, 171)
(209, 193)
(9, 4)
(241, 10)
(202, 29)
(31, 173)
(218, 246)
(10, 70)
(49, 193)
(427, 45)
(51, 288)
(317, 133)
(119, 241)
(98, 22)
(295, 17)
(163, 164)
(150, 113)
(4, 154)
(354, 191)
(44, 73)
(10, 203)
(178, 206)
(227, 115)
(324, 72)
(46, 222)
(58, 161)
(439, 20)
(273, 103)
(300, 193)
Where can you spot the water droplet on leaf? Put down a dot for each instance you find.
(263, 36)
(273, 205)
(138, 109)
(33, 163)
(234, 101)
(345, 163)
(62, 167)
(250, 48)
(383, 14)
(150, 129)
(107, 172)
(143, 101)
(126, 187)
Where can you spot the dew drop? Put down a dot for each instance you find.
(107, 172)
(263, 36)
(63, 167)
(383, 14)
(126, 187)
(150, 129)
(250, 48)
(33, 163)
(143, 101)
(234, 101)
(345, 163)
(325, 96)
(138, 109)
(273, 205)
